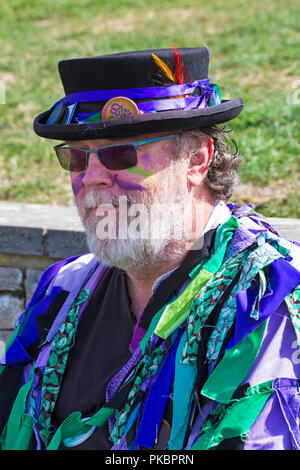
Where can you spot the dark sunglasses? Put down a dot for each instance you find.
(113, 157)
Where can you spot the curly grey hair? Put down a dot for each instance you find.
(222, 175)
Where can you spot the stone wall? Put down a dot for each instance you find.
(32, 237)
(16, 289)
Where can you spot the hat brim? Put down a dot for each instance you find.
(166, 121)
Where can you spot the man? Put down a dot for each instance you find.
(180, 329)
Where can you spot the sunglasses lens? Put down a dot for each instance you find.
(118, 157)
(71, 159)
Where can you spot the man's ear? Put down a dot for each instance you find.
(200, 161)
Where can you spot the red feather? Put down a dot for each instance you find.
(178, 72)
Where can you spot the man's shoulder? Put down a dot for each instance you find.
(68, 275)
(58, 287)
(71, 263)
(252, 225)
(67, 272)
(294, 249)
(64, 273)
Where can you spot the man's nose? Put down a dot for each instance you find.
(96, 174)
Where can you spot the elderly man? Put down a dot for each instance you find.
(180, 329)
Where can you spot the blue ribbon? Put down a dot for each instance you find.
(157, 400)
(283, 278)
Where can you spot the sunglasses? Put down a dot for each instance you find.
(113, 157)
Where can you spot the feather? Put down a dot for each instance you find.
(164, 68)
(178, 66)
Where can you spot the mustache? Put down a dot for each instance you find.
(94, 199)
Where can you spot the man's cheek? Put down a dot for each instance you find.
(152, 165)
(77, 183)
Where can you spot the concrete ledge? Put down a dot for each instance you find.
(288, 228)
(39, 216)
(41, 230)
(56, 232)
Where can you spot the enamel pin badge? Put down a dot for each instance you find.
(119, 107)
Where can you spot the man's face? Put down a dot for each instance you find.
(103, 195)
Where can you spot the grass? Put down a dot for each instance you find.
(254, 54)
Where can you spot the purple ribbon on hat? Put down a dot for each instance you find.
(135, 93)
(174, 97)
(163, 105)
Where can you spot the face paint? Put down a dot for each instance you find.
(147, 161)
(131, 187)
(77, 183)
(139, 169)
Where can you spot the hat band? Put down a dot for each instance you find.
(134, 93)
(175, 97)
(195, 102)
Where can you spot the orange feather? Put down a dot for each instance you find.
(164, 68)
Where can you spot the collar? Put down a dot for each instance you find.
(175, 279)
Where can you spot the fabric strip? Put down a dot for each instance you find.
(157, 400)
(185, 376)
(282, 279)
(236, 419)
(220, 386)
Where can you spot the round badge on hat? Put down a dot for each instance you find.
(119, 107)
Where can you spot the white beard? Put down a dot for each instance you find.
(163, 245)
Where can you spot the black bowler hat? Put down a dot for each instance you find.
(132, 93)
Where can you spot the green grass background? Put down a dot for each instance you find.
(254, 50)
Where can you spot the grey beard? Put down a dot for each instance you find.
(129, 253)
(133, 253)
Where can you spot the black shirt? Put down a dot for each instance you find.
(101, 348)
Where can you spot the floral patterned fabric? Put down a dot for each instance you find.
(57, 361)
(253, 265)
(149, 367)
(246, 265)
(293, 304)
(205, 302)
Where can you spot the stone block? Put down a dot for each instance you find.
(32, 278)
(63, 243)
(11, 308)
(10, 279)
(21, 240)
